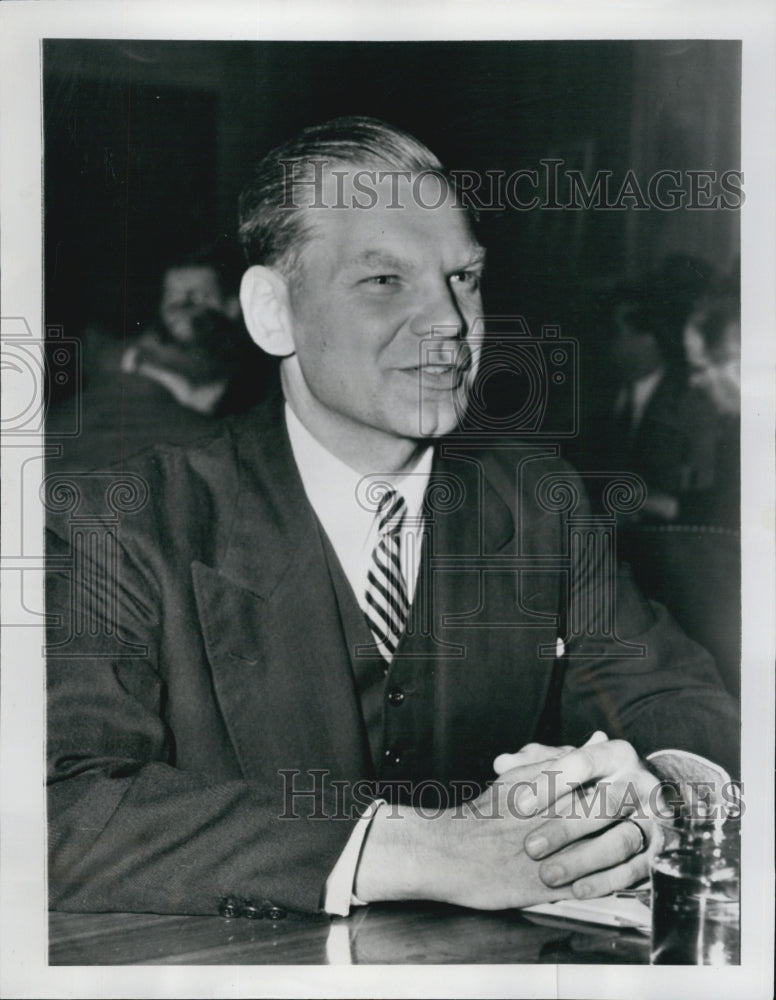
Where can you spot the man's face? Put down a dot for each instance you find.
(187, 292)
(375, 286)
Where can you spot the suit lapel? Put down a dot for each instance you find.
(271, 625)
(274, 637)
(478, 642)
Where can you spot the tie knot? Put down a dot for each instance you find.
(390, 512)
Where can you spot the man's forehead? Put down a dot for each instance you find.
(471, 254)
(369, 220)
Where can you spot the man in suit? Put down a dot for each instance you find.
(324, 631)
(659, 425)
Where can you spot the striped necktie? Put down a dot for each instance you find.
(386, 591)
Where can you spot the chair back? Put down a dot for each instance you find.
(695, 571)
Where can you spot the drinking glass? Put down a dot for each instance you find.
(695, 892)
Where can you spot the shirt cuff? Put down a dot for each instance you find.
(338, 894)
(691, 773)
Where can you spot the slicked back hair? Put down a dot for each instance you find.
(273, 226)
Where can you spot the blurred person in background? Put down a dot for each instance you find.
(660, 424)
(712, 343)
(198, 347)
(191, 365)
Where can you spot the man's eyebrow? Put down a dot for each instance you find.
(391, 262)
(379, 258)
(476, 258)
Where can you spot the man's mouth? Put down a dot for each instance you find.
(436, 369)
(445, 378)
(439, 368)
(443, 361)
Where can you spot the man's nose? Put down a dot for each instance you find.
(440, 315)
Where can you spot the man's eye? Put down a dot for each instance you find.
(382, 279)
(469, 279)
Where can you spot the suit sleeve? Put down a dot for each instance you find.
(129, 830)
(632, 672)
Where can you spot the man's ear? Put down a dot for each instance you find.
(266, 310)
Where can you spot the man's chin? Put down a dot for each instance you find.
(437, 421)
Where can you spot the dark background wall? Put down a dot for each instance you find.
(147, 145)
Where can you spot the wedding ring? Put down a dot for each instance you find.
(644, 838)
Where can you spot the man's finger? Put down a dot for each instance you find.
(613, 879)
(531, 753)
(589, 811)
(591, 762)
(619, 847)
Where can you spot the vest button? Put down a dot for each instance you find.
(395, 696)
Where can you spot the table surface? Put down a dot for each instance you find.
(407, 933)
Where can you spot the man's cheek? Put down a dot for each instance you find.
(472, 311)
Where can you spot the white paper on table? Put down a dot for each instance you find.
(624, 911)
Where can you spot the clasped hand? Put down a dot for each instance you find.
(585, 816)
(556, 822)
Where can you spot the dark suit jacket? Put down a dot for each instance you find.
(675, 447)
(225, 658)
(675, 444)
(117, 416)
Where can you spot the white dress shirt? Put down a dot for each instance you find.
(640, 393)
(340, 498)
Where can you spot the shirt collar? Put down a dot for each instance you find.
(332, 486)
(643, 390)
